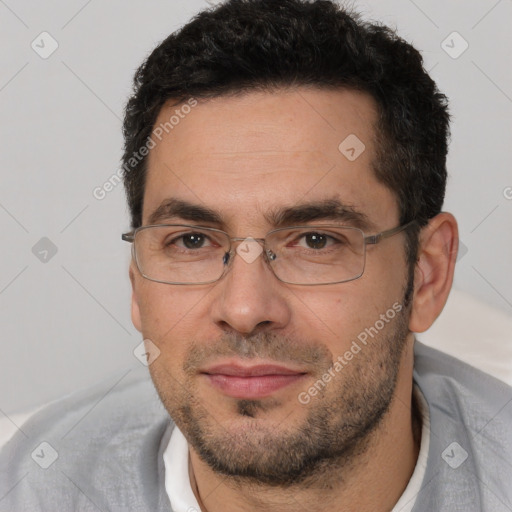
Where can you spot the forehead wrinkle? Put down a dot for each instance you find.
(267, 162)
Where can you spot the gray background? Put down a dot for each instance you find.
(65, 316)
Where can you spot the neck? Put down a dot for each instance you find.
(371, 478)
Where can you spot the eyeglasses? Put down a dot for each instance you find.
(302, 255)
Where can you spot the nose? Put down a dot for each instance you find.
(249, 298)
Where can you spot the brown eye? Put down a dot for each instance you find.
(315, 240)
(193, 240)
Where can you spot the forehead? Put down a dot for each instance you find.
(245, 155)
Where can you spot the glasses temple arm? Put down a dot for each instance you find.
(375, 239)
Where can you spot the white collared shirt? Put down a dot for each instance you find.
(182, 498)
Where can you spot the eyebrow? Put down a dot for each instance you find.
(172, 208)
(328, 209)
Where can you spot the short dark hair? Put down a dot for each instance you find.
(244, 45)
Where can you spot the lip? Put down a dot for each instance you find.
(251, 382)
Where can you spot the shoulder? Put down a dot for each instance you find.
(471, 392)
(93, 446)
(470, 433)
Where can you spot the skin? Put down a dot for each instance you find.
(243, 157)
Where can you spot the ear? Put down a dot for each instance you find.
(135, 301)
(433, 277)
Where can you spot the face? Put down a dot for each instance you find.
(272, 381)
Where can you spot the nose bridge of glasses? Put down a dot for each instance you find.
(246, 238)
(248, 248)
(237, 241)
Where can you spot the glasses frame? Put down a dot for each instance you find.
(367, 239)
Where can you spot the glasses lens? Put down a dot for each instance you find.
(180, 254)
(317, 254)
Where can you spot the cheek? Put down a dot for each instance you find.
(154, 305)
(163, 319)
(338, 315)
(172, 315)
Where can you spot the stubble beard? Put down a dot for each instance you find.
(336, 431)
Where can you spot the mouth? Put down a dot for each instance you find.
(251, 382)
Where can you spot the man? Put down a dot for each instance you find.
(285, 172)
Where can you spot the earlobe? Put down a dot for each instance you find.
(135, 310)
(434, 271)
